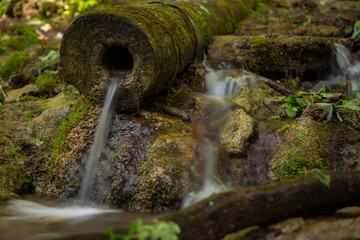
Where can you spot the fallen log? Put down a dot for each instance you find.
(143, 47)
(229, 212)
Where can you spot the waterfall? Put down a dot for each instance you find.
(97, 146)
(347, 69)
(219, 88)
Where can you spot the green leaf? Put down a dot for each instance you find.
(3, 133)
(329, 109)
(356, 29)
(302, 93)
(300, 137)
(135, 226)
(32, 38)
(41, 66)
(326, 95)
(38, 143)
(2, 98)
(281, 98)
(38, 190)
(165, 231)
(290, 100)
(25, 180)
(110, 233)
(303, 102)
(323, 176)
(291, 111)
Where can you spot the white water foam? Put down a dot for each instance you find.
(345, 63)
(23, 210)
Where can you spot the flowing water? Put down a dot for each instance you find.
(66, 214)
(347, 68)
(220, 88)
(98, 146)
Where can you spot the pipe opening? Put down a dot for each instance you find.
(117, 60)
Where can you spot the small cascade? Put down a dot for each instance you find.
(97, 146)
(349, 67)
(219, 88)
(347, 70)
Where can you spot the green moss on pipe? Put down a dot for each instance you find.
(143, 47)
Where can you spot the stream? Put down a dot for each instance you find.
(45, 218)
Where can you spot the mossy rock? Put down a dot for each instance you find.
(275, 56)
(235, 134)
(298, 149)
(162, 181)
(26, 138)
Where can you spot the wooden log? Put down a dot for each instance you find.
(143, 47)
(229, 212)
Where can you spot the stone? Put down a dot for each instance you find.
(235, 134)
(17, 81)
(14, 95)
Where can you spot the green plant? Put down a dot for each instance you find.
(2, 98)
(298, 166)
(225, 188)
(4, 5)
(64, 129)
(302, 99)
(14, 150)
(157, 230)
(323, 176)
(13, 64)
(46, 81)
(356, 29)
(30, 115)
(20, 42)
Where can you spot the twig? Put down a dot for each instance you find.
(348, 81)
(281, 89)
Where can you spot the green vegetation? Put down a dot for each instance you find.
(322, 98)
(323, 176)
(14, 150)
(157, 230)
(64, 129)
(13, 64)
(2, 99)
(46, 81)
(356, 29)
(4, 5)
(30, 115)
(298, 166)
(28, 98)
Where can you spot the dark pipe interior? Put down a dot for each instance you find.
(117, 59)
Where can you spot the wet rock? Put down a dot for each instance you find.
(23, 140)
(162, 181)
(339, 229)
(142, 167)
(299, 148)
(14, 95)
(252, 95)
(315, 112)
(6, 195)
(17, 81)
(305, 143)
(289, 226)
(236, 132)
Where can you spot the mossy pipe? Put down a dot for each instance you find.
(147, 44)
